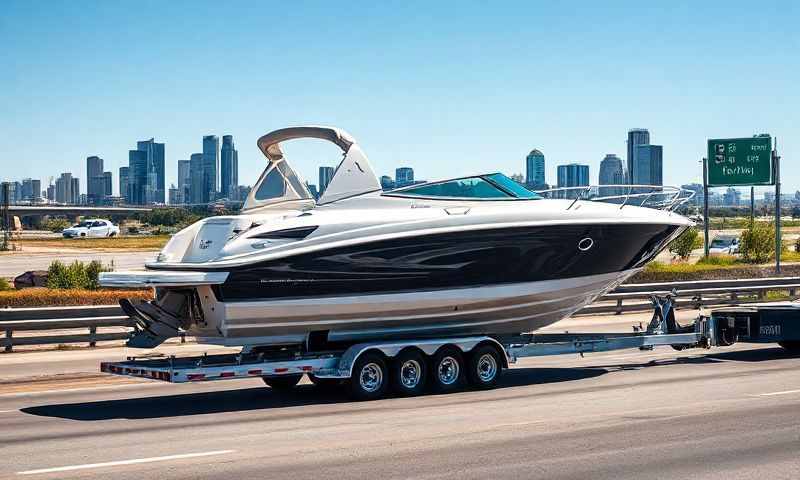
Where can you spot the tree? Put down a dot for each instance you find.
(685, 243)
(758, 242)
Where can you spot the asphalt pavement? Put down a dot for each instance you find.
(713, 414)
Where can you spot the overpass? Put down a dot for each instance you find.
(30, 214)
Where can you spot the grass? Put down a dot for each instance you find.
(45, 297)
(155, 242)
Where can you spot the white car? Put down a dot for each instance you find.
(724, 245)
(94, 227)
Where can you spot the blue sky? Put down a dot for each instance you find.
(447, 88)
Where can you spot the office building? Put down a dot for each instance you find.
(196, 179)
(153, 190)
(647, 169)
(325, 176)
(124, 180)
(77, 198)
(140, 190)
(229, 166)
(386, 182)
(210, 168)
(95, 181)
(572, 175)
(403, 176)
(611, 173)
(636, 137)
(534, 169)
(732, 197)
(312, 189)
(184, 181)
(51, 193)
(31, 190)
(108, 184)
(174, 195)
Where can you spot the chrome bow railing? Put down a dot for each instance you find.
(651, 196)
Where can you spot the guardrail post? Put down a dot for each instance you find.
(792, 292)
(761, 294)
(93, 336)
(619, 306)
(183, 337)
(9, 339)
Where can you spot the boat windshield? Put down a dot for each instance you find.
(495, 186)
(511, 186)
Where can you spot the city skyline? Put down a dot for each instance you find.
(419, 102)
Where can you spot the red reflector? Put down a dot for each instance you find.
(281, 370)
(254, 372)
(196, 376)
(308, 368)
(227, 374)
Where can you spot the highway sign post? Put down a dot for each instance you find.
(745, 161)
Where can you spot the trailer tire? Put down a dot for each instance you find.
(369, 379)
(284, 382)
(447, 370)
(484, 367)
(408, 374)
(791, 346)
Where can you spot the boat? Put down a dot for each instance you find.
(470, 255)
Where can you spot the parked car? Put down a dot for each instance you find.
(94, 227)
(724, 245)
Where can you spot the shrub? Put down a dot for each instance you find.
(43, 297)
(685, 243)
(55, 225)
(758, 242)
(721, 260)
(4, 285)
(75, 275)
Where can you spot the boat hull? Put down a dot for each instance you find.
(496, 309)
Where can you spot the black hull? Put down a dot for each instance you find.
(447, 260)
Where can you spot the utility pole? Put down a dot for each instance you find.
(705, 206)
(778, 245)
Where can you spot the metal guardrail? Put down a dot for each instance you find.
(696, 294)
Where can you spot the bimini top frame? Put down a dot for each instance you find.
(354, 175)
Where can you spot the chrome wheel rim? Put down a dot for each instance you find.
(371, 377)
(410, 373)
(448, 371)
(487, 367)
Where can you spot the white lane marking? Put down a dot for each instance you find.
(124, 462)
(77, 389)
(772, 394)
(9, 411)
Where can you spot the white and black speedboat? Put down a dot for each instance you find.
(471, 255)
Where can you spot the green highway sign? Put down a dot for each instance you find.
(740, 161)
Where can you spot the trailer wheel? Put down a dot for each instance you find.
(369, 380)
(408, 375)
(283, 382)
(447, 370)
(484, 367)
(791, 346)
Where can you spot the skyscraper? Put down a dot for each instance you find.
(184, 182)
(648, 167)
(64, 188)
(197, 177)
(325, 176)
(76, 191)
(108, 184)
(534, 169)
(95, 182)
(611, 173)
(31, 190)
(210, 168)
(124, 179)
(636, 137)
(154, 190)
(403, 176)
(229, 166)
(573, 175)
(139, 188)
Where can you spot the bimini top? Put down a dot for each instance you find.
(280, 186)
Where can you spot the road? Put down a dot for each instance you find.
(720, 414)
(12, 264)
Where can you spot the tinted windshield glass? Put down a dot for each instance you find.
(273, 186)
(475, 187)
(511, 186)
(721, 242)
(83, 224)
